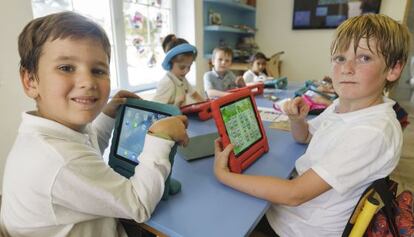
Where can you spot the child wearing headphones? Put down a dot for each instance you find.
(174, 87)
(257, 71)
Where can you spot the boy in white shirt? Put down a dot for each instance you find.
(56, 182)
(354, 142)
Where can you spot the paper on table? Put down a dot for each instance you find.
(281, 125)
(271, 115)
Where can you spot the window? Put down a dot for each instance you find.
(135, 29)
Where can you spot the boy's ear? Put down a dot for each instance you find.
(30, 84)
(395, 72)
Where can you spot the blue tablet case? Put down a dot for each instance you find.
(131, 125)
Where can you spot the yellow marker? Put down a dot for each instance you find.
(364, 218)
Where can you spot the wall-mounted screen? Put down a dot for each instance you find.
(325, 14)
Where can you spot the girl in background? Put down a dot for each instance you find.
(258, 67)
(174, 87)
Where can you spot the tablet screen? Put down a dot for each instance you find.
(134, 127)
(241, 124)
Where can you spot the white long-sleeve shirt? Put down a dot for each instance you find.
(57, 184)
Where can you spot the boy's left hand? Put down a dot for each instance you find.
(221, 158)
(119, 98)
(240, 81)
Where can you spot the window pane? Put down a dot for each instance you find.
(46, 7)
(145, 24)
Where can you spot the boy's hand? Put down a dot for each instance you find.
(240, 81)
(296, 109)
(172, 127)
(221, 158)
(119, 98)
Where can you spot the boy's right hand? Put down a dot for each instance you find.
(296, 109)
(173, 127)
(221, 158)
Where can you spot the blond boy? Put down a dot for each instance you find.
(353, 142)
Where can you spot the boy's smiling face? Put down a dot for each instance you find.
(359, 77)
(72, 82)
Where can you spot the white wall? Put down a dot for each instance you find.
(306, 51)
(13, 16)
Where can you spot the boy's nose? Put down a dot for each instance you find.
(348, 67)
(86, 80)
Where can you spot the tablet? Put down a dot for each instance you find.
(256, 88)
(132, 122)
(200, 146)
(238, 122)
(202, 109)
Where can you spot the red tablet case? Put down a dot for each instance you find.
(202, 109)
(239, 163)
(256, 88)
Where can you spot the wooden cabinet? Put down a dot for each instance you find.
(228, 22)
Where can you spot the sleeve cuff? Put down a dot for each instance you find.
(330, 180)
(105, 122)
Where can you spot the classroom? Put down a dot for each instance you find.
(300, 53)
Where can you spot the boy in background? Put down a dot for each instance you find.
(56, 182)
(220, 79)
(354, 142)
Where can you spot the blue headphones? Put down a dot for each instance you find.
(179, 49)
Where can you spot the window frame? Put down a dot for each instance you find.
(120, 48)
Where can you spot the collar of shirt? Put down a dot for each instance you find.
(376, 110)
(218, 75)
(38, 125)
(178, 82)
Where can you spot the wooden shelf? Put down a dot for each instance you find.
(226, 29)
(240, 66)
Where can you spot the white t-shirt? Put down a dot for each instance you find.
(171, 88)
(57, 184)
(349, 151)
(249, 76)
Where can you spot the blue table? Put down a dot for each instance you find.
(205, 207)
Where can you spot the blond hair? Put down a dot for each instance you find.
(392, 38)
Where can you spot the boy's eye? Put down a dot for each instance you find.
(98, 71)
(364, 58)
(66, 68)
(339, 59)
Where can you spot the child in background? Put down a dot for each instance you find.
(56, 182)
(258, 66)
(174, 87)
(353, 142)
(220, 79)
